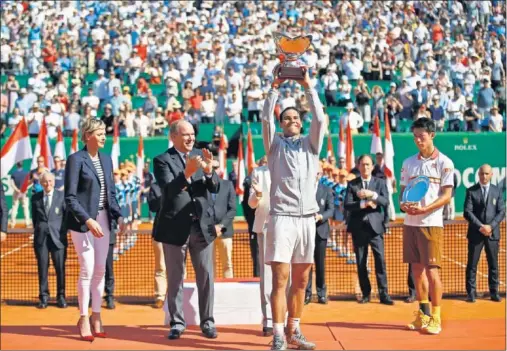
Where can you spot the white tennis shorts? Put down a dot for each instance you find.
(290, 239)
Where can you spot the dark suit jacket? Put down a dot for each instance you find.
(356, 213)
(82, 191)
(225, 207)
(4, 215)
(248, 212)
(51, 224)
(378, 172)
(477, 213)
(325, 200)
(181, 201)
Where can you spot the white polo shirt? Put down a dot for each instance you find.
(440, 169)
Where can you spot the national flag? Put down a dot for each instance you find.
(16, 149)
(330, 152)
(60, 145)
(241, 169)
(140, 159)
(341, 141)
(42, 148)
(25, 184)
(115, 151)
(349, 156)
(389, 154)
(376, 142)
(250, 155)
(222, 157)
(74, 147)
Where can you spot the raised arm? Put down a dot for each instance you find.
(268, 119)
(318, 125)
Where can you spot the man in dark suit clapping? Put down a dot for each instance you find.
(50, 238)
(325, 199)
(186, 220)
(366, 198)
(484, 210)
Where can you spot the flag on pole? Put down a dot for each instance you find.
(376, 142)
(330, 152)
(60, 145)
(349, 156)
(42, 148)
(16, 149)
(389, 154)
(222, 157)
(25, 184)
(115, 151)
(75, 142)
(250, 155)
(341, 141)
(140, 159)
(241, 169)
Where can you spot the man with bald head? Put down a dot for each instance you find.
(484, 210)
(50, 237)
(186, 220)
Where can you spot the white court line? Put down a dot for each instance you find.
(18, 248)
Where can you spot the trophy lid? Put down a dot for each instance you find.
(292, 47)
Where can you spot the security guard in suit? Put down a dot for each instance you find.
(484, 210)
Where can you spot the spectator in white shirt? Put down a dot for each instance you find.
(255, 102)
(352, 117)
(233, 108)
(330, 82)
(208, 107)
(34, 120)
(344, 90)
(287, 100)
(72, 121)
(495, 120)
(91, 100)
(142, 123)
(455, 109)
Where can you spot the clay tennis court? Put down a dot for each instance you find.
(339, 325)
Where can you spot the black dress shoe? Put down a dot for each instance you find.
(365, 299)
(322, 300)
(60, 302)
(386, 300)
(470, 298)
(209, 331)
(43, 303)
(174, 334)
(110, 303)
(410, 299)
(308, 299)
(266, 331)
(496, 298)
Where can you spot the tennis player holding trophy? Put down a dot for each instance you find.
(293, 162)
(426, 187)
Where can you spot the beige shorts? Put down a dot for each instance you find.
(290, 239)
(423, 245)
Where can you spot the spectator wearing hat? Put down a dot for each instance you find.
(472, 116)
(353, 118)
(108, 119)
(437, 113)
(100, 87)
(34, 121)
(91, 100)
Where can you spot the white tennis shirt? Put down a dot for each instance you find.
(440, 170)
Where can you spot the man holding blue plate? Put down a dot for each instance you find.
(426, 187)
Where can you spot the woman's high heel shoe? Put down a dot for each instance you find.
(97, 334)
(89, 338)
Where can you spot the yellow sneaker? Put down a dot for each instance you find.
(421, 321)
(434, 326)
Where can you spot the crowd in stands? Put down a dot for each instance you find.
(147, 64)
